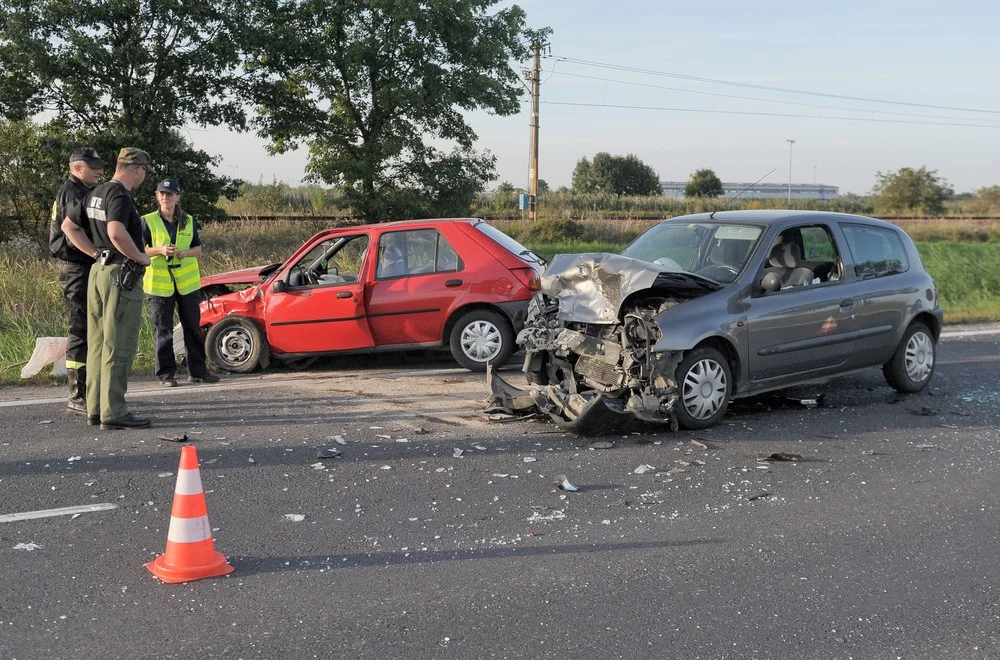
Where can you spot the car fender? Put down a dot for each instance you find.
(248, 302)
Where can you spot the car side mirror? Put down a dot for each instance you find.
(279, 286)
(771, 282)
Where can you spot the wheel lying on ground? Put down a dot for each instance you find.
(234, 344)
(912, 366)
(705, 385)
(481, 337)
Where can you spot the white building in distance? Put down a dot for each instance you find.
(761, 190)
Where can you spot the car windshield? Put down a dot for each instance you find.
(717, 251)
(508, 243)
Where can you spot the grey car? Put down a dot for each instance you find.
(704, 308)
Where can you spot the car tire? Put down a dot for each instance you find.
(481, 337)
(234, 344)
(705, 386)
(912, 365)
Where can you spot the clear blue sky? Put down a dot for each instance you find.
(916, 54)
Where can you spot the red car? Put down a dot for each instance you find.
(400, 285)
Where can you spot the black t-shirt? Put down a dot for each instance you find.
(73, 191)
(171, 227)
(111, 201)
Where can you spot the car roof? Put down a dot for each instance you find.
(777, 216)
(405, 224)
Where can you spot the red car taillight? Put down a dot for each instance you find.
(528, 277)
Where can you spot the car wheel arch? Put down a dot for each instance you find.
(728, 350)
(459, 312)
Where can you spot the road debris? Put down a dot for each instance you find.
(698, 444)
(457, 453)
(318, 466)
(563, 483)
(529, 459)
(173, 438)
(924, 411)
(326, 453)
(27, 546)
(758, 496)
(336, 438)
(779, 456)
(164, 475)
(556, 514)
(295, 517)
(644, 468)
(603, 444)
(71, 459)
(926, 447)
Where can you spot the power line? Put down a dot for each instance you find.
(714, 81)
(750, 98)
(768, 114)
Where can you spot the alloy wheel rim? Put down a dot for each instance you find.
(704, 389)
(481, 341)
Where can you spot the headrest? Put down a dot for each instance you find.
(392, 253)
(785, 255)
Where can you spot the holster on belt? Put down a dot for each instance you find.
(129, 274)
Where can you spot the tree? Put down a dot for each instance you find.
(703, 183)
(986, 201)
(127, 72)
(375, 87)
(615, 175)
(919, 192)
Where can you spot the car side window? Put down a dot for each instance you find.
(802, 257)
(876, 251)
(819, 254)
(415, 252)
(334, 261)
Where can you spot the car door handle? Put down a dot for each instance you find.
(846, 305)
(344, 294)
(453, 283)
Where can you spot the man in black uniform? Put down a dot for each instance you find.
(114, 292)
(85, 167)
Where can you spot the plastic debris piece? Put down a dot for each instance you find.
(330, 452)
(74, 458)
(680, 462)
(251, 460)
(697, 461)
(779, 456)
(174, 438)
(164, 475)
(336, 438)
(386, 467)
(603, 444)
(758, 496)
(480, 447)
(699, 444)
(402, 439)
(926, 447)
(318, 466)
(27, 546)
(643, 469)
(556, 514)
(295, 517)
(457, 453)
(948, 426)
(45, 421)
(563, 483)
(384, 437)
(48, 350)
(529, 459)
(500, 475)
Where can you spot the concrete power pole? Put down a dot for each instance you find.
(533, 157)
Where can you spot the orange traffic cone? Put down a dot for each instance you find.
(190, 552)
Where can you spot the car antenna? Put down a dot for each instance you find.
(737, 195)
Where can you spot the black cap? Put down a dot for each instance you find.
(169, 185)
(89, 156)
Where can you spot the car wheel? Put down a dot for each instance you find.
(234, 344)
(481, 337)
(705, 388)
(912, 366)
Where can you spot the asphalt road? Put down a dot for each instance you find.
(880, 543)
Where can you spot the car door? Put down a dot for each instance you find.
(417, 276)
(321, 308)
(809, 329)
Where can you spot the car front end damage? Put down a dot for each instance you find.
(590, 343)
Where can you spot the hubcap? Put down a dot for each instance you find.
(235, 346)
(704, 389)
(481, 341)
(919, 358)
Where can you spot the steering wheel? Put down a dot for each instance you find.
(718, 272)
(309, 277)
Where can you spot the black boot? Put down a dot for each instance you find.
(77, 379)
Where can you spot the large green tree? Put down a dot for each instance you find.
(703, 183)
(615, 175)
(920, 192)
(377, 90)
(127, 72)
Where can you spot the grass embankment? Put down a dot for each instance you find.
(31, 303)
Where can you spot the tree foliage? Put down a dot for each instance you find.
(917, 192)
(703, 183)
(615, 175)
(126, 72)
(376, 89)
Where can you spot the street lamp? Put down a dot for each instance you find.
(790, 143)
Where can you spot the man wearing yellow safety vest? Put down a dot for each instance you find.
(173, 279)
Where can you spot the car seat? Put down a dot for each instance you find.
(392, 263)
(786, 262)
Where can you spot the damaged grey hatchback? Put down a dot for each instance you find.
(704, 308)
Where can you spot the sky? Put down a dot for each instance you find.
(861, 86)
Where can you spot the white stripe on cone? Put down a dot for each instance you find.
(189, 530)
(188, 482)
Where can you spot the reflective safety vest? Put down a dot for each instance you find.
(162, 276)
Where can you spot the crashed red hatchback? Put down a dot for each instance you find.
(459, 283)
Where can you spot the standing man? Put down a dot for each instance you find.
(174, 279)
(85, 167)
(114, 292)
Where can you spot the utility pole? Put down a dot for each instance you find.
(790, 143)
(533, 156)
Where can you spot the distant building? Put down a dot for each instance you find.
(761, 190)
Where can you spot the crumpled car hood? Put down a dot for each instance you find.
(590, 287)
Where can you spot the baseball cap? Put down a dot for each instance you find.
(89, 156)
(134, 156)
(169, 185)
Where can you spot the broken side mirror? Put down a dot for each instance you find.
(771, 282)
(279, 286)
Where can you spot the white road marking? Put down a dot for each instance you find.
(48, 513)
(969, 333)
